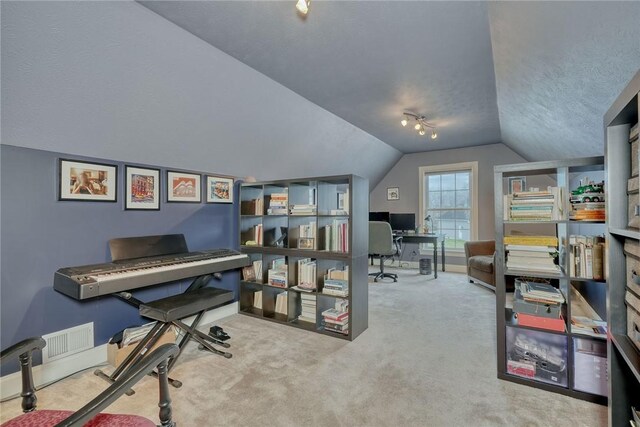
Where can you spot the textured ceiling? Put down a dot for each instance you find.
(558, 66)
(366, 61)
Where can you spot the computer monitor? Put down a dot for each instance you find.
(402, 221)
(379, 216)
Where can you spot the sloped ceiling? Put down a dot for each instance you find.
(557, 65)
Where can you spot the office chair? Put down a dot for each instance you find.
(382, 245)
(89, 415)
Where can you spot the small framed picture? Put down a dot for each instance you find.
(142, 188)
(393, 193)
(219, 189)
(183, 187)
(91, 182)
(517, 184)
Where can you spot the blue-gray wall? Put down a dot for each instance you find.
(115, 80)
(40, 234)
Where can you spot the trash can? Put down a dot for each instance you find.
(425, 265)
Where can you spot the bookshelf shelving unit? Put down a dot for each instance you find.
(343, 198)
(624, 357)
(568, 345)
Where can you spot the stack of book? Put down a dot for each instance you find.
(587, 255)
(282, 302)
(307, 236)
(278, 204)
(584, 319)
(307, 280)
(336, 236)
(253, 273)
(252, 236)
(252, 207)
(303, 210)
(337, 319)
(336, 282)
(538, 305)
(257, 300)
(308, 308)
(532, 253)
(588, 212)
(534, 205)
(278, 273)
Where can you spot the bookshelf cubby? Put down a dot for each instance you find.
(300, 233)
(624, 357)
(562, 352)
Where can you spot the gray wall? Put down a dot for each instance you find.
(115, 80)
(40, 234)
(405, 176)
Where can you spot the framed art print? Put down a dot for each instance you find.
(183, 187)
(219, 189)
(91, 182)
(142, 188)
(517, 184)
(393, 193)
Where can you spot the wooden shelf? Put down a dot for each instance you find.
(559, 221)
(625, 232)
(594, 398)
(629, 353)
(325, 191)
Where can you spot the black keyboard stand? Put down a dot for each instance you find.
(196, 300)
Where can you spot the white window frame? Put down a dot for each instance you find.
(452, 167)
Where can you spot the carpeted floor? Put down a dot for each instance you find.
(427, 359)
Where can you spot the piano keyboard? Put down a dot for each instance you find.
(104, 279)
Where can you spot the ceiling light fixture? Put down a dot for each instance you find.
(303, 6)
(421, 123)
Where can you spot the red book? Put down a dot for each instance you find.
(541, 322)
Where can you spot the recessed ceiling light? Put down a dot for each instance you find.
(303, 6)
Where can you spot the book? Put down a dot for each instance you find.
(531, 240)
(540, 322)
(587, 326)
(282, 301)
(248, 273)
(257, 300)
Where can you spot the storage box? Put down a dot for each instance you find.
(634, 158)
(590, 366)
(633, 318)
(633, 209)
(115, 355)
(545, 353)
(632, 255)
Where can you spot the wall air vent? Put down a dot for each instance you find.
(66, 342)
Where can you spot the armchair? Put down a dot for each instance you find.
(480, 256)
(89, 415)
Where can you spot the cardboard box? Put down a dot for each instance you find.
(115, 355)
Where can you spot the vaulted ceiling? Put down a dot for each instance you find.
(537, 76)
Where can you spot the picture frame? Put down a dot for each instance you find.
(184, 187)
(87, 181)
(142, 188)
(393, 193)
(219, 189)
(517, 184)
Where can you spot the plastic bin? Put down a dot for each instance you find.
(425, 266)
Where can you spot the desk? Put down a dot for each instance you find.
(426, 238)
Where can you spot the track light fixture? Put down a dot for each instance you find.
(421, 123)
(303, 6)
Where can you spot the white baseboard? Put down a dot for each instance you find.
(415, 265)
(10, 385)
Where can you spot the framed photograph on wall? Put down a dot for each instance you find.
(393, 193)
(142, 188)
(517, 184)
(219, 189)
(183, 187)
(84, 181)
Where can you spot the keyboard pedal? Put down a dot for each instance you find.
(218, 333)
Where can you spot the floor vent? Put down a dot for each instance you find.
(66, 342)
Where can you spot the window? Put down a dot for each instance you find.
(449, 195)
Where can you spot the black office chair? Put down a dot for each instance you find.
(382, 245)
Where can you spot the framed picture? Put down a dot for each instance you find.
(142, 188)
(393, 193)
(219, 190)
(92, 182)
(183, 187)
(517, 184)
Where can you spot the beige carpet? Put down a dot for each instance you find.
(427, 359)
